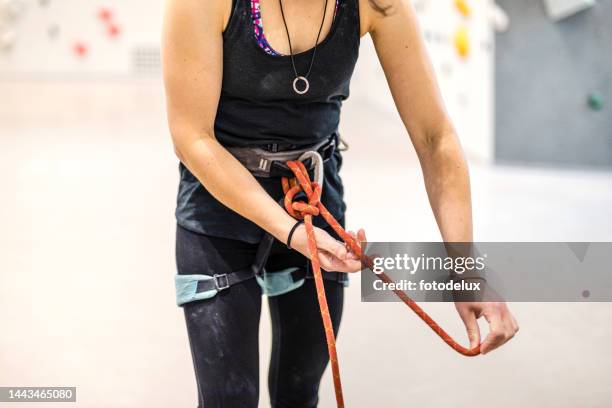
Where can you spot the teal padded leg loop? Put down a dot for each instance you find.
(279, 282)
(187, 288)
(272, 283)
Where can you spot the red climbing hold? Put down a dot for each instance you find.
(113, 30)
(105, 14)
(80, 49)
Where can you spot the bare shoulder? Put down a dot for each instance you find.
(372, 12)
(209, 13)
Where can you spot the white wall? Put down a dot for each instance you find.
(39, 54)
(467, 83)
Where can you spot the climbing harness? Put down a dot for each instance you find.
(271, 161)
(302, 200)
(303, 210)
(268, 161)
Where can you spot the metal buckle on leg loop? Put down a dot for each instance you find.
(221, 281)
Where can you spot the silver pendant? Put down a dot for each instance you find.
(297, 80)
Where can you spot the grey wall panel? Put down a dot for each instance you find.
(544, 74)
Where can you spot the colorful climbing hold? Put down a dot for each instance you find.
(596, 101)
(80, 49)
(463, 7)
(105, 14)
(462, 42)
(113, 30)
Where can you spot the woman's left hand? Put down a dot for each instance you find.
(502, 324)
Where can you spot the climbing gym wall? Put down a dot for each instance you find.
(68, 39)
(85, 39)
(459, 37)
(554, 83)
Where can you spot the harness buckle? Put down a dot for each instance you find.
(221, 281)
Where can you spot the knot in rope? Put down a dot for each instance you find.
(301, 183)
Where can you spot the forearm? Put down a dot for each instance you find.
(448, 186)
(233, 185)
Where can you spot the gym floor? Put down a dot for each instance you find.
(86, 268)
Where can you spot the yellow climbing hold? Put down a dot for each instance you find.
(463, 7)
(462, 42)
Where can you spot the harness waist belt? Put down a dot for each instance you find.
(264, 163)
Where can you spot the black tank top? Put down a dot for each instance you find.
(258, 106)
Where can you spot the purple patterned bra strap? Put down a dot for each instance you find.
(259, 31)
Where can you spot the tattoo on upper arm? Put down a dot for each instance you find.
(384, 8)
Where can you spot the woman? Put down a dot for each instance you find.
(252, 78)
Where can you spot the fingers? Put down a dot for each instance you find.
(361, 235)
(351, 254)
(515, 325)
(470, 320)
(502, 327)
(327, 261)
(334, 255)
(495, 338)
(327, 243)
(332, 264)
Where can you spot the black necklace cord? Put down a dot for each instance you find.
(314, 49)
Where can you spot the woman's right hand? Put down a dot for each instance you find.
(333, 254)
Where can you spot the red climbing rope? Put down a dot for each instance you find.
(305, 211)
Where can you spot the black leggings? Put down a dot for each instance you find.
(223, 330)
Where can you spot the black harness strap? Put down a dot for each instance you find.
(224, 281)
